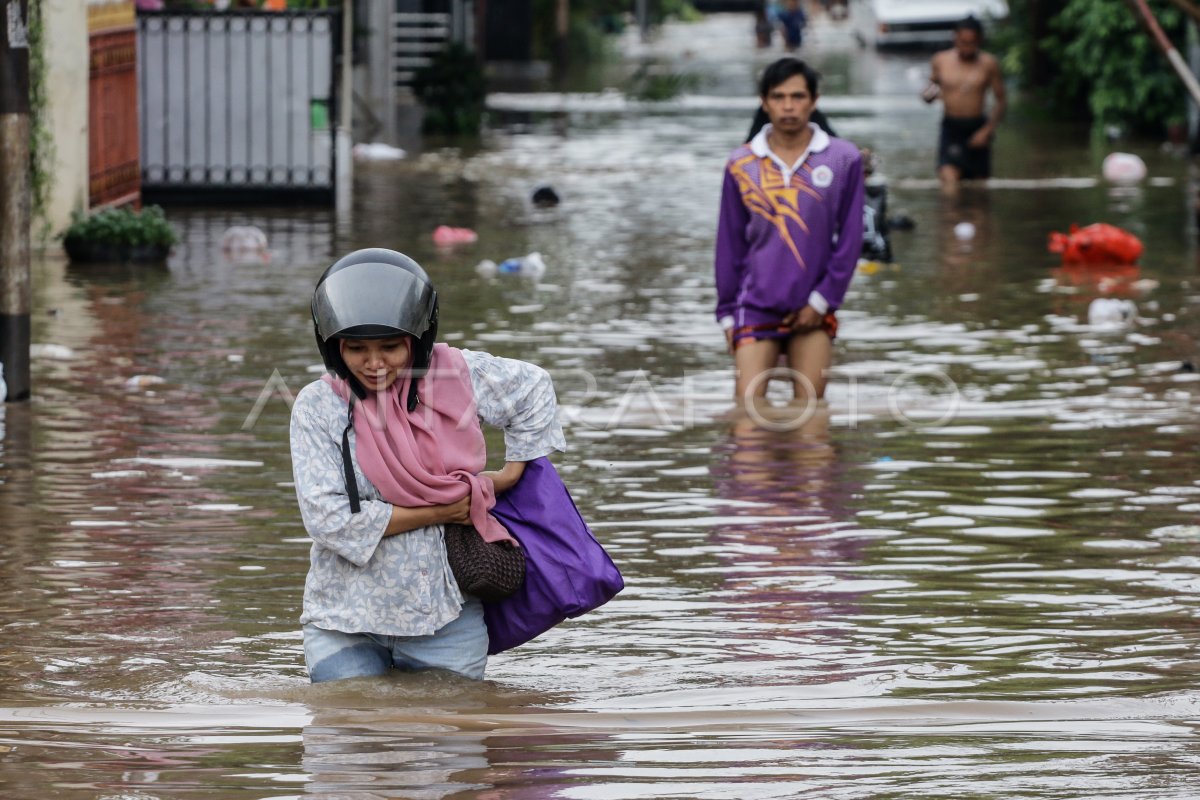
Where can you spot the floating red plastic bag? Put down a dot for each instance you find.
(1096, 244)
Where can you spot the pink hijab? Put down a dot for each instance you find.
(433, 455)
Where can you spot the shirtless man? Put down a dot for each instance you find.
(961, 77)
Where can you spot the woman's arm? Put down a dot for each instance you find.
(519, 398)
(320, 481)
(506, 477)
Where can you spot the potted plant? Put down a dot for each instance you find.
(119, 235)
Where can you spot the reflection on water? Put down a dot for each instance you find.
(780, 488)
(975, 574)
(875, 749)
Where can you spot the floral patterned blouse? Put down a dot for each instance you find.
(360, 581)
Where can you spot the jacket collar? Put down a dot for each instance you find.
(758, 146)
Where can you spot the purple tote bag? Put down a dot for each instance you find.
(567, 572)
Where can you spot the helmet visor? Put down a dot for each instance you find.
(377, 297)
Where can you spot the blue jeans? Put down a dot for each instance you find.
(459, 646)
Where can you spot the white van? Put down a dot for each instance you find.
(918, 23)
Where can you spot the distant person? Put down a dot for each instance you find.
(764, 26)
(961, 76)
(793, 21)
(788, 239)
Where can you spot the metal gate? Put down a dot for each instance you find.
(237, 104)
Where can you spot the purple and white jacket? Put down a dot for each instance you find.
(788, 235)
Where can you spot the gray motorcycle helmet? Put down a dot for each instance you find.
(375, 294)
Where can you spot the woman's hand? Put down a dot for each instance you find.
(506, 477)
(458, 512)
(410, 519)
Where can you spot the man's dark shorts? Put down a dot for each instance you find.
(954, 150)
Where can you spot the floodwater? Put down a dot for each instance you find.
(978, 576)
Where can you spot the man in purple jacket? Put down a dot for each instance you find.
(788, 240)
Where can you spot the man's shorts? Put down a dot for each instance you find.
(954, 149)
(745, 334)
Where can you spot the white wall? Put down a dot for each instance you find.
(66, 39)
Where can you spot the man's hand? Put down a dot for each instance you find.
(729, 339)
(805, 320)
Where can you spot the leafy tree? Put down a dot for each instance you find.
(1109, 56)
(1092, 57)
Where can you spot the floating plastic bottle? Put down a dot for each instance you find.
(531, 265)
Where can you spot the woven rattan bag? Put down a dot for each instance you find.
(487, 570)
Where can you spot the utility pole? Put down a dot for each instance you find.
(562, 26)
(1143, 13)
(343, 133)
(16, 293)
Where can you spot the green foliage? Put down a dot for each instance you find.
(650, 82)
(681, 10)
(1094, 58)
(122, 226)
(452, 89)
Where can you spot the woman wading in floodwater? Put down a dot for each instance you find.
(398, 425)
